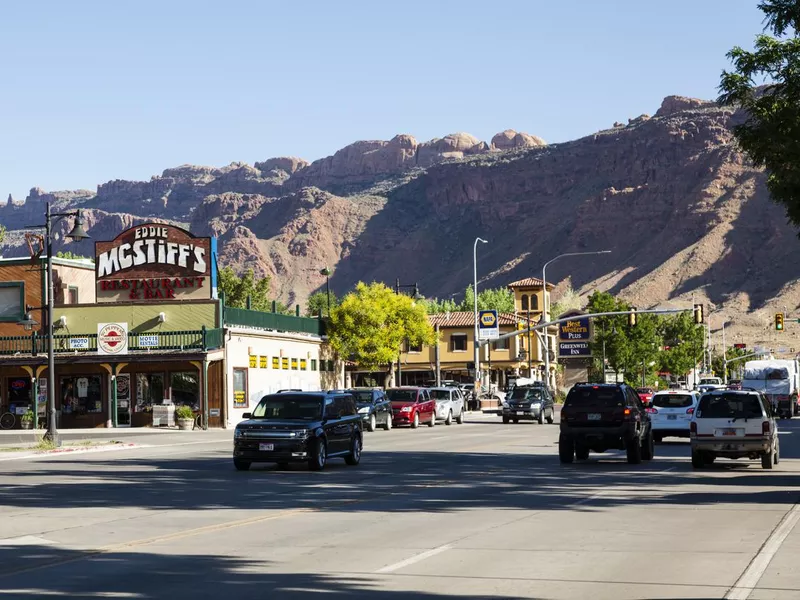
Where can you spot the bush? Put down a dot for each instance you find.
(184, 412)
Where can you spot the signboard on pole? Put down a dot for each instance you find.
(488, 325)
(574, 350)
(578, 329)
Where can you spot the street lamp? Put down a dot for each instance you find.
(327, 273)
(476, 348)
(546, 307)
(77, 234)
(416, 296)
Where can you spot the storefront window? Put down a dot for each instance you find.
(240, 399)
(81, 394)
(19, 395)
(149, 391)
(185, 390)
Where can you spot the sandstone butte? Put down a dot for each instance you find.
(683, 211)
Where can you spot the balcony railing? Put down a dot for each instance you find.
(76, 343)
(273, 321)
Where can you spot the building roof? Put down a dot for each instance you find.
(529, 282)
(82, 263)
(467, 319)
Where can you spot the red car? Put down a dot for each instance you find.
(645, 395)
(412, 406)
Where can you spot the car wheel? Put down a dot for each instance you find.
(541, 417)
(658, 438)
(697, 460)
(433, 420)
(566, 450)
(354, 457)
(449, 419)
(241, 465)
(282, 466)
(581, 452)
(415, 422)
(551, 418)
(648, 447)
(767, 460)
(460, 417)
(388, 424)
(371, 423)
(506, 419)
(319, 457)
(634, 451)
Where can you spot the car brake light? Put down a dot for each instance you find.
(626, 412)
(693, 427)
(765, 427)
(690, 411)
(652, 411)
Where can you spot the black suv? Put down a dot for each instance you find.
(600, 417)
(374, 408)
(306, 427)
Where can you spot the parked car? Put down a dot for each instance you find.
(529, 403)
(374, 408)
(412, 406)
(734, 424)
(645, 394)
(671, 413)
(603, 416)
(310, 427)
(449, 404)
(735, 384)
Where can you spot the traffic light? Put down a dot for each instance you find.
(698, 314)
(632, 316)
(779, 321)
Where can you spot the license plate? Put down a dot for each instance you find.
(672, 417)
(727, 432)
(593, 416)
(266, 447)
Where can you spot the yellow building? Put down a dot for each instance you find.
(529, 301)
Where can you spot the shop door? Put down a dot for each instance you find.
(124, 400)
(215, 393)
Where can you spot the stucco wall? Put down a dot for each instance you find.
(180, 316)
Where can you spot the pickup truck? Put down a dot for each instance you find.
(708, 384)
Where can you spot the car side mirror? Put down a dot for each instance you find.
(247, 416)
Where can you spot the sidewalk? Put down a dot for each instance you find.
(142, 435)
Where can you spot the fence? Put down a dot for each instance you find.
(273, 321)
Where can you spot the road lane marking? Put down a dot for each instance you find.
(414, 559)
(745, 585)
(26, 540)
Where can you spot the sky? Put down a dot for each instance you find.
(95, 91)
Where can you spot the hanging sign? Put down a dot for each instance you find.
(112, 338)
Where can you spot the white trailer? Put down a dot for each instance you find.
(779, 380)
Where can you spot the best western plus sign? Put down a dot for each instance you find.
(155, 262)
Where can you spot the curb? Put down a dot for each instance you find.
(23, 454)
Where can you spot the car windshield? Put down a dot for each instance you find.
(644, 390)
(672, 400)
(440, 394)
(362, 397)
(728, 406)
(711, 381)
(402, 395)
(600, 396)
(289, 406)
(522, 393)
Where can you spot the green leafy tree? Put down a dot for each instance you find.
(611, 330)
(317, 304)
(569, 300)
(2, 233)
(69, 255)
(238, 288)
(771, 133)
(499, 299)
(685, 341)
(718, 364)
(370, 324)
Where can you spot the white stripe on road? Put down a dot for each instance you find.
(745, 585)
(414, 559)
(26, 540)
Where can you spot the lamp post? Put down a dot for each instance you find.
(77, 234)
(546, 307)
(416, 296)
(476, 358)
(327, 273)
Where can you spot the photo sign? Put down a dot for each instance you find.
(155, 261)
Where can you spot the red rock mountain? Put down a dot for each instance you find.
(683, 212)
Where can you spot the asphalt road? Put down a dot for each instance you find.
(480, 510)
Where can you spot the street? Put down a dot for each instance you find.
(479, 510)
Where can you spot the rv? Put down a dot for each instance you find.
(778, 379)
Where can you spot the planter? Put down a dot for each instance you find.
(185, 424)
(26, 424)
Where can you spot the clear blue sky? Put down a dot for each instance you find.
(93, 91)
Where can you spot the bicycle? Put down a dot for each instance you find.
(7, 419)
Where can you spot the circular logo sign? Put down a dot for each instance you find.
(112, 339)
(488, 319)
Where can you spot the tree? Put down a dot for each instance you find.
(685, 341)
(718, 365)
(237, 289)
(771, 133)
(499, 299)
(317, 304)
(68, 254)
(2, 233)
(370, 324)
(569, 300)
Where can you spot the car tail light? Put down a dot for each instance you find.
(693, 427)
(652, 411)
(782, 397)
(690, 411)
(765, 427)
